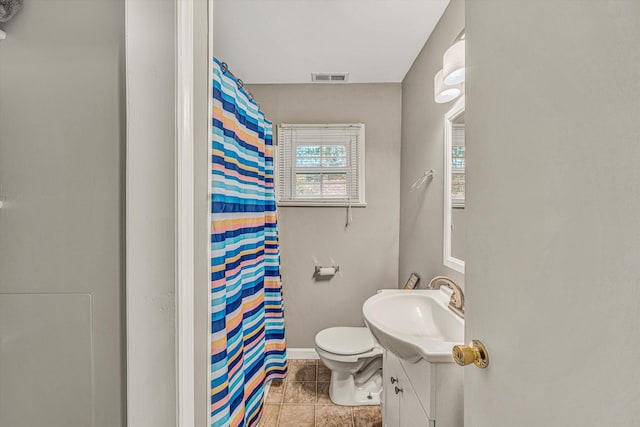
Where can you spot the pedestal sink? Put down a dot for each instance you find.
(414, 324)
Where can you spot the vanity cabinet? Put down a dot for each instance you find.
(421, 394)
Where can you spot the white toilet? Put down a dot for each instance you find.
(355, 360)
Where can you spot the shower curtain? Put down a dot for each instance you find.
(247, 324)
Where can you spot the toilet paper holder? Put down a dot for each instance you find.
(319, 270)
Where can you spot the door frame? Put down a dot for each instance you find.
(185, 215)
(150, 304)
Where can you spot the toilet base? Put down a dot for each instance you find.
(343, 390)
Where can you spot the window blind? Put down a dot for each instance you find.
(321, 164)
(458, 161)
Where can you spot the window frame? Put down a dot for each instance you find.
(360, 201)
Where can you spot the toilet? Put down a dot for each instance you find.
(355, 360)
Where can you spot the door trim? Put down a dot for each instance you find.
(209, 166)
(159, 79)
(185, 212)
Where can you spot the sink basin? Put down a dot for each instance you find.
(414, 324)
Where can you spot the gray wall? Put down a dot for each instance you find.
(62, 228)
(554, 193)
(367, 251)
(421, 212)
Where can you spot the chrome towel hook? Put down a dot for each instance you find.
(427, 176)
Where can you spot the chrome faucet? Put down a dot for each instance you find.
(456, 303)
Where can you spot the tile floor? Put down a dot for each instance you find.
(303, 400)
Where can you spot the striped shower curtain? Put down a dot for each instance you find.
(247, 326)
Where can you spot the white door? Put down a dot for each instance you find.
(553, 238)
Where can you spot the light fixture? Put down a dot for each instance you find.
(442, 93)
(453, 64)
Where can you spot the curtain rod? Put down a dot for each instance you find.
(239, 82)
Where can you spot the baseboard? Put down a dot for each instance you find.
(302, 353)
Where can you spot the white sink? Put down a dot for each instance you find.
(414, 324)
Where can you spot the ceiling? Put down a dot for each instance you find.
(284, 41)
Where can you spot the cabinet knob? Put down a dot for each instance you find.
(475, 353)
(394, 380)
(398, 390)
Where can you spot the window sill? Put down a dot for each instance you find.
(316, 204)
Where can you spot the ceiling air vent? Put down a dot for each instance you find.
(329, 77)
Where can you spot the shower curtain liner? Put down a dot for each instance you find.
(247, 324)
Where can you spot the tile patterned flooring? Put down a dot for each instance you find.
(303, 400)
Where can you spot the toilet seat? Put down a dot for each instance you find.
(347, 344)
(344, 340)
(349, 358)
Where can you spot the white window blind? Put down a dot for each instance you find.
(321, 165)
(458, 167)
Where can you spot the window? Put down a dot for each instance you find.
(321, 165)
(457, 166)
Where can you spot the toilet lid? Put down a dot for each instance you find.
(345, 340)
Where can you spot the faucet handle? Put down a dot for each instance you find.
(456, 301)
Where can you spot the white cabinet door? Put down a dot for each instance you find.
(422, 378)
(391, 403)
(411, 412)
